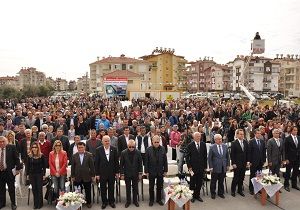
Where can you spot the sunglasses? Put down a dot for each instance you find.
(58, 145)
(131, 147)
(34, 147)
(156, 142)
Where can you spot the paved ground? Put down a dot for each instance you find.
(288, 201)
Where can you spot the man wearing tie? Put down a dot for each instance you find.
(9, 160)
(239, 161)
(257, 156)
(196, 162)
(83, 171)
(107, 170)
(292, 151)
(275, 152)
(218, 160)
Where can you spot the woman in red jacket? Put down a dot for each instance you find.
(58, 162)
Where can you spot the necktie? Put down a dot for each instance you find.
(198, 147)
(296, 141)
(2, 160)
(258, 143)
(242, 145)
(220, 150)
(278, 143)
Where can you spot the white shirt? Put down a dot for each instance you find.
(107, 152)
(197, 143)
(295, 139)
(143, 146)
(75, 150)
(277, 142)
(127, 139)
(220, 149)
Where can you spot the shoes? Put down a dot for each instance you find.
(112, 205)
(89, 205)
(287, 189)
(241, 194)
(160, 203)
(296, 187)
(150, 203)
(251, 193)
(127, 205)
(222, 196)
(136, 204)
(233, 194)
(213, 196)
(199, 199)
(13, 207)
(280, 191)
(103, 206)
(193, 200)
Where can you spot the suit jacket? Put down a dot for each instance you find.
(217, 161)
(128, 168)
(275, 153)
(238, 156)
(70, 152)
(291, 150)
(196, 160)
(86, 170)
(257, 154)
(12, 158)
(156, 165)
(105, 168)
(122, 143)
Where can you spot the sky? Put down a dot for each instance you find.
(62, 37)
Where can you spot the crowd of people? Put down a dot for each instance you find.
(103, 141)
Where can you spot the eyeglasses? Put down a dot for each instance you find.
(58, 145)
(131, 147)
(156, 142)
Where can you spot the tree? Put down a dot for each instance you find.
(7, 92)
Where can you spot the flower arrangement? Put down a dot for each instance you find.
(71, 199)
(270, 180)
(179, 192)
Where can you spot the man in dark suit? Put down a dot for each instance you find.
(64, 139)
(9, 161)
(218, 160)
(156, 167)
(131, 169)
(239, 161)
(83, 171)
(93, 143)
(73, 148)
(196, 160)
(292, 152)
(257, 156)
(123, 139)
(275, 152)
(107, 170)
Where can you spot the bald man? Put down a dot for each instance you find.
(107, 169)
(131, 169)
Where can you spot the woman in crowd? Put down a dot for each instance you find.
(12, 140)
(58, 162)
(36, 169)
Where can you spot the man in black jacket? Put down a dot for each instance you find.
(123, 139)
(9, 161)
(143, 142)
(196, 160)
(257, 156)
(107, 169)
(239, 161)
(156, 167)
(131, 169)
(64, 139)
(292, 153)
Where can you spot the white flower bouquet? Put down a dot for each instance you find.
(71, 199)
(179, 192)
(270, 180)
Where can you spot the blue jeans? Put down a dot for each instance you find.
(59, 184)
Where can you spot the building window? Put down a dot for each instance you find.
(130, 66)
(130, 81)
(109, 66)
(123, 66)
